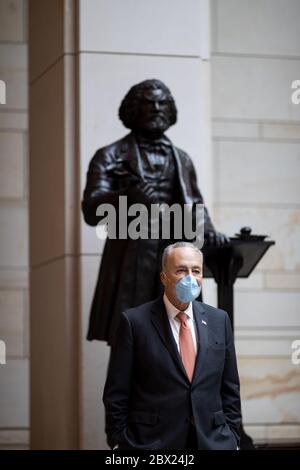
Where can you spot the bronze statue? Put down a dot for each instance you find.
(147, 168)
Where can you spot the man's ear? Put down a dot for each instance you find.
(163, 278)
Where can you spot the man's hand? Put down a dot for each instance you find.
(215, 238)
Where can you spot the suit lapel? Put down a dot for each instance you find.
(182, 184)
(162, 325)
(201, 325)
(131, 154)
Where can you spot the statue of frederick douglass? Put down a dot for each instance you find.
(147, 168)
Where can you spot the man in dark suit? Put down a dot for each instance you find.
(173, 381)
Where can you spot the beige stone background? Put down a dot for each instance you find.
(230, 65)
(256, 154)
(14, 273)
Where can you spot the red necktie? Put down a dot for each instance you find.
(186, 345)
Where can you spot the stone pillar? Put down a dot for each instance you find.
(118, 44)
(54, 212)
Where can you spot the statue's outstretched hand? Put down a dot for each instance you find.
(215, 238)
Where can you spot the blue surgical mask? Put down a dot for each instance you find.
(187, 289)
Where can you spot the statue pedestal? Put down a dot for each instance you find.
(225, 264)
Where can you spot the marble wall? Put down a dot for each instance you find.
(54, 211)
(14, 314)
(256, 154)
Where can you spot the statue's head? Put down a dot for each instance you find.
(148, 108)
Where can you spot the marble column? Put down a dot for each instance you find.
(54, 214)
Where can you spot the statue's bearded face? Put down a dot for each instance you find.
(153, 117)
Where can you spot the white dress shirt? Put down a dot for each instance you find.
(172, 311)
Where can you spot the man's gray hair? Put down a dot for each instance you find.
(172, 247)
